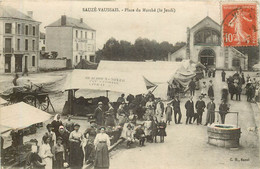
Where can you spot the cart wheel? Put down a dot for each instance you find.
(30, 99)
(43, 105)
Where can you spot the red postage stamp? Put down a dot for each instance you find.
(239, 24)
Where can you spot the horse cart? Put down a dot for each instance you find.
(33, 95)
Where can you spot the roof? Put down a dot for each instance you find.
(21, 115)
(42, 35)
(207, 17)
(71, 22)
(8, 12)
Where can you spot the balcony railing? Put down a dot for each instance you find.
(8, 50)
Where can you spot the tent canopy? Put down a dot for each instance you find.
(157, 72)
(2, 101)
(131, 83)
(84, 64)
(21, 115)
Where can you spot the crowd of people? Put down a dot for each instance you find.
(143, 118)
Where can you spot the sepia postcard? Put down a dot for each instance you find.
(129, 84)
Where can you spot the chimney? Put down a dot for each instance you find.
(63, 20)
(81, 20)
(30, 14)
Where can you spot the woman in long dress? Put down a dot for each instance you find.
(45, 152)
(76, 152)
(204, 89)
(101, 142)
(210, 90)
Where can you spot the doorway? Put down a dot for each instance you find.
(207, 57)
(8, 63)
(18, 63)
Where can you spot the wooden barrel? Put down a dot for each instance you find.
(223, 135)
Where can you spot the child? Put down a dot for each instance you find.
(59, 154)
(129, 136)
(139, 134)
(148, 129)
(162, 132)
(168, 113)
(154, 129)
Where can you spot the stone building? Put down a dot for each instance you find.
(72, 39)
(204, 45)
(19, 41)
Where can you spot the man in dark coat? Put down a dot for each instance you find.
(192, 86)
(200, 106)
(223, 110)
(177, 110)
(232, 90)
(210, 112)
(189, 105)
(223, 75)
(99, 114)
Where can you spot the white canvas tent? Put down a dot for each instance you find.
(2, 101)
(129, 83)
(156, 72)
(20, 115)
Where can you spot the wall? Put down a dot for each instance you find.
(51, 64)
(59, 39)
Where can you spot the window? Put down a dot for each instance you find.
(33, 60)
(76, 59)
(92, 58)
(77, 46)
(26, 44)
(8, 44)
(86, 35)
(33, 30)
(18, 44)
(178, 59)
(85, 57)
(18, 29)
(92, 35)
(81, 34)
(43, 41)
(76, 34)
(26, 29)
(33, 45)
(207, 36)
(80, 57)
(89, 47)
(8, 28)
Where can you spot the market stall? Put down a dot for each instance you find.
(105, 81)
(14, 119)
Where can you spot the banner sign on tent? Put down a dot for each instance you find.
(130, 83)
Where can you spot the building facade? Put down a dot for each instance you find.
(42, 42)
(72, 39)
(204, 45)
(19, 41)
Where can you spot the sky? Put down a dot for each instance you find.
(123, 25)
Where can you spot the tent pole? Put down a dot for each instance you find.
(154, 89)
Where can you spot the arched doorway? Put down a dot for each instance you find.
(207, 57)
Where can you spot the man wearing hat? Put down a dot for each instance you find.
(200, 106)
(177, 109)
(90, 135)
(99, 114)
(223, 110)
(189, 105)
(210, 112)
